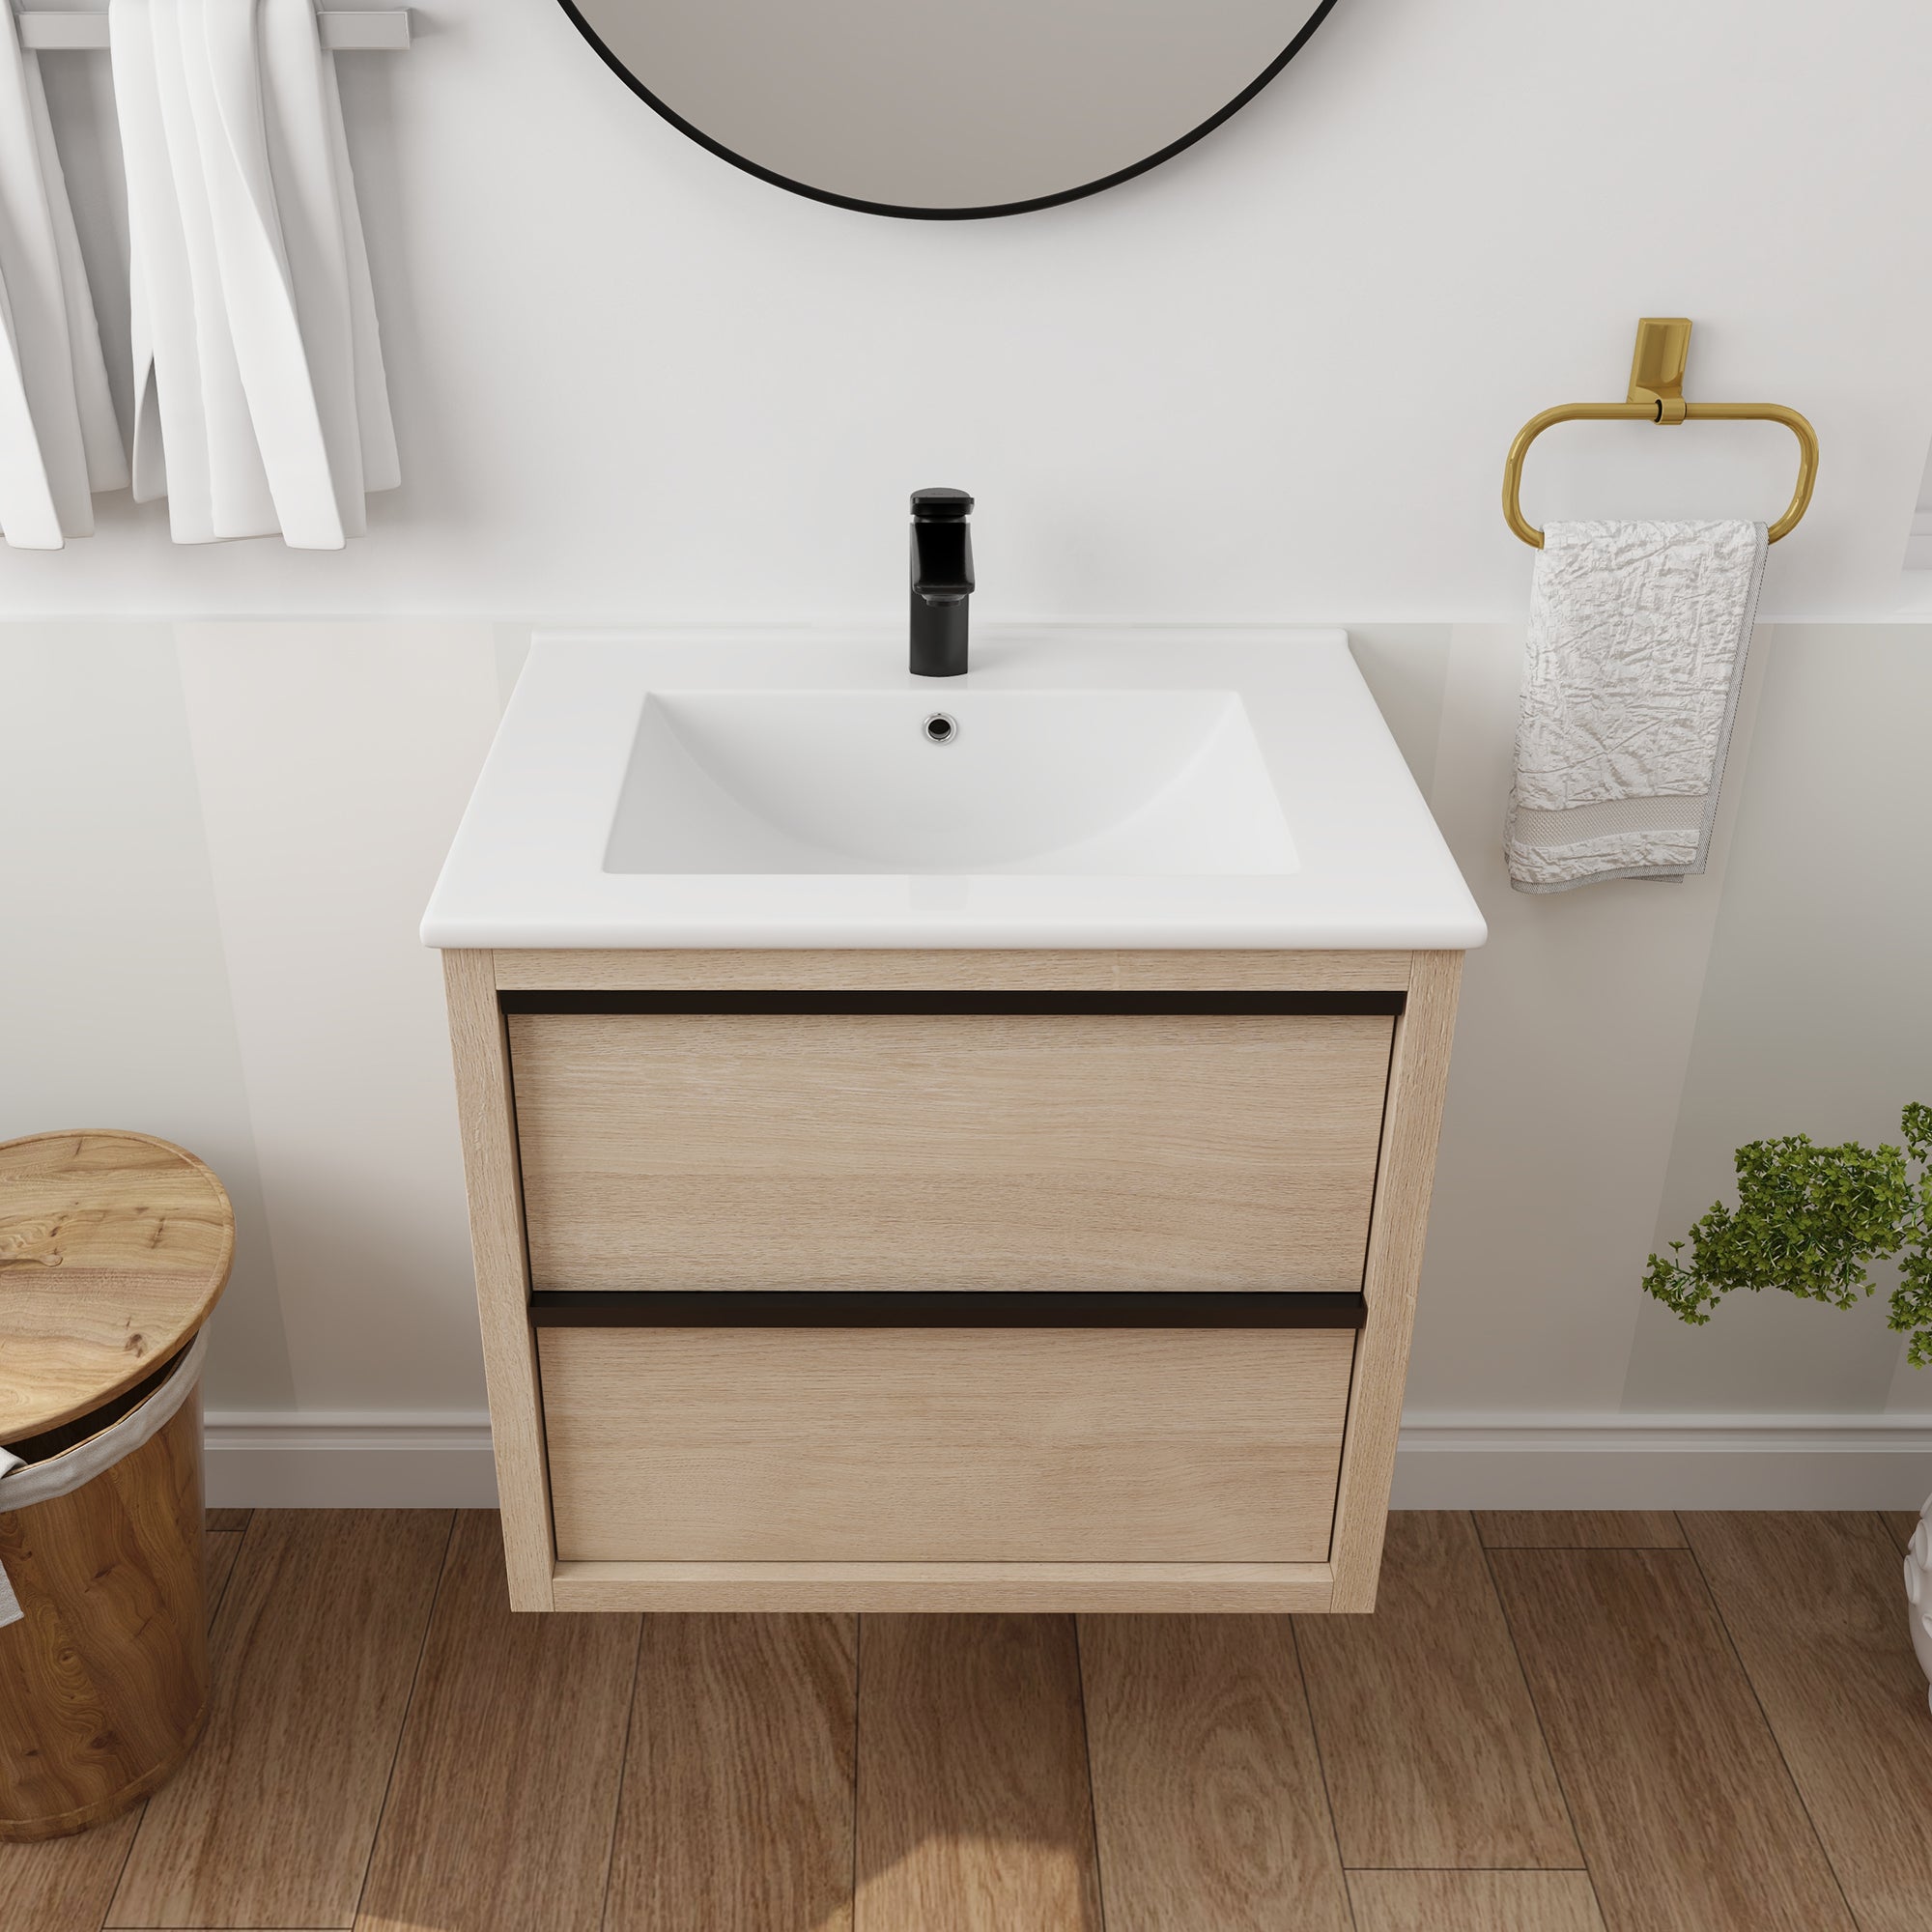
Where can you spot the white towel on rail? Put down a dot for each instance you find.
(261, 404)
(1638, 635)
(58, 440)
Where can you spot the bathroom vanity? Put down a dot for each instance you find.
(965, 1174)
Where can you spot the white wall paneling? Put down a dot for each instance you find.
(1814, 1016)
(212, 879)
(1575, 1026)
(335, 762)
(115, 1008)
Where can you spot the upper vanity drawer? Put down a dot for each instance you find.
(1170, 1145)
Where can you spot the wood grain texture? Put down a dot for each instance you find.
(229, 1519)
(1579, 1529)
(480, 1051)
(947, 1151)
(944, 1445)
(315, 1648)
(1899, 1526)
(1813, 1604)
(113, 1249)
(737, 1812)
(1685, 1809)
(1274, 1588)
(1208, 1796)
(1427, 1736)
(1418, 1081)
(104, 1683)
(1473, 1901)
(222, 1546)
(953, 970)
(974, 1812)
(517, 1719)
(63, 1884)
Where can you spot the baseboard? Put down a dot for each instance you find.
(290, 1459)
(344, 1461)
(1663, 1461)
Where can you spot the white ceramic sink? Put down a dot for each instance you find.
(1072, 781)
(1092, 788)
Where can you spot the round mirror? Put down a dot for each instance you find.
(946, 109)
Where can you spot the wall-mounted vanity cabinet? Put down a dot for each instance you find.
(948, 1280)
(972, 1168)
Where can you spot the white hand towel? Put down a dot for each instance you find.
(1638, 635)
(59, 440)
(262, 404)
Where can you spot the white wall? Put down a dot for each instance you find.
(1272, 380)
(220, 838)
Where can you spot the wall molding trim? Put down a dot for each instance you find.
(1449, 1460)
(345, 1459)
(441, 1460)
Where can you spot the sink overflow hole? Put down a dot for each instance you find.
(940, 728)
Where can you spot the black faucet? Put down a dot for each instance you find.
(942, 581)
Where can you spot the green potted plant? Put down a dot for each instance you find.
(1811, 1220)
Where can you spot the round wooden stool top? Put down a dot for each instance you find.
(113, 1248)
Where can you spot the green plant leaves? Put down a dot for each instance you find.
(1911, 1298)
(1810, 1220)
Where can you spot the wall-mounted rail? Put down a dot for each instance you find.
(342, 32)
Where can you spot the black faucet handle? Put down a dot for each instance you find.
(940, 506)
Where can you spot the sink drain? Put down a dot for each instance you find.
(940, 728)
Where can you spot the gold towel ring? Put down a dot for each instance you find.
(1657, 395)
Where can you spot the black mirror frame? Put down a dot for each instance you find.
(1114, 180)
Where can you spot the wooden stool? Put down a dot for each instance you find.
(113, 1248)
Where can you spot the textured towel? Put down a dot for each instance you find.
(1637, 634)
(59, 442)
(260, 401)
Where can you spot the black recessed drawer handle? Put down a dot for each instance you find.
(874, 1005)
(926, 1308)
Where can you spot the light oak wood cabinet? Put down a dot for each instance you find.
(1143, 1147)
(968, 1445)
(877, 1280)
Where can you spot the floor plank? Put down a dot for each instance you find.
(314, 1647)
(221, 1547)
(1428, 1739)
(1579, 1529)
(229, 1519)
(1473, 1901)
(974, 1812)
(737, 1812)
(1687, 1814)
(1899, 1523)
(513, 1717)
(1815, 1607)
(1208, 1800)
(65, 1885)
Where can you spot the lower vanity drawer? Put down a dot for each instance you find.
(944, 1444)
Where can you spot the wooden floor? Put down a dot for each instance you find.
(1555, 1724)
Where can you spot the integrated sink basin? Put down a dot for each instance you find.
(1078, 787)
(1042, 781)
